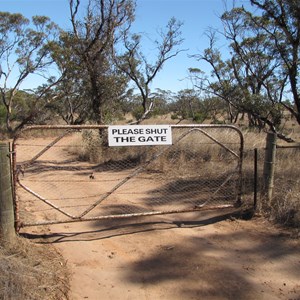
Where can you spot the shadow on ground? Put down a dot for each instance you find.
(212, 257)
(129, 226)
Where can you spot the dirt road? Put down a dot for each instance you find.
(189, 256)
(179, 257)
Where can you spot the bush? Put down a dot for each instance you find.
(138, 112)
(199, 117)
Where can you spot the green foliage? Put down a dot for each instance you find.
(2, 114)
(138, 112)
(174, 117)
(263, 60)
(24, 51)
(85, 57)
(199, 117)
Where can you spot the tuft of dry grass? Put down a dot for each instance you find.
(30, 271)
(286, 202)
(286, 208)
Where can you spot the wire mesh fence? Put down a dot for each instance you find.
(286, 193)
(284, 206)
(253, 165)
(70, 173)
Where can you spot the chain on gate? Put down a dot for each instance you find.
(69, 173)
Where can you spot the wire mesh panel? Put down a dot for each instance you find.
(284, 204)
(286, 190)
(66, 174)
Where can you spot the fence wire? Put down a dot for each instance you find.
(72, 173)
(286, 194)
(284, 206)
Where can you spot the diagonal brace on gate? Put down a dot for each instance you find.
(136, 172)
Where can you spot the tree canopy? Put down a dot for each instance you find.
(262, 70)
(99, 57)
(25, 50)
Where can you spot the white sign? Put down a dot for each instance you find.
(139, 135)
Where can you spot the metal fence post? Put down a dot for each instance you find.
(7, 226)
(256, 207)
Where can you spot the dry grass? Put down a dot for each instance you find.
(254, 139)
(191, 153)
(286, 207)
(39, 272)
(32, 272)
(196, 152)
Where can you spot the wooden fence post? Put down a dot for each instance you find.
(269, 167)
(7, 222)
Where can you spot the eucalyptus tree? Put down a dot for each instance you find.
(95, 32)
(68, 98)
(25, 50)
(186, 104)
(220, 83)
(262, 62)
(139, 68)
(256, 69)
(280, 21)
(72, 98)
(162, 99)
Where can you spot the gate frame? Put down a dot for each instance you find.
(18, 223)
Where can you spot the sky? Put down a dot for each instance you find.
(151, 16)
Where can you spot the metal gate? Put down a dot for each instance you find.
(68, 174)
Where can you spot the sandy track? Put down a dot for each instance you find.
(188, 256)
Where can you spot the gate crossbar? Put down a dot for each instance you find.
(82, 216)
(132, 215)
